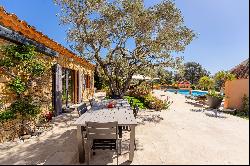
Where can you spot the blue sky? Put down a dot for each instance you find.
(223, 27)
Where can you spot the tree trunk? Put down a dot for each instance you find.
(119, 92)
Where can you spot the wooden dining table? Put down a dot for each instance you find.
(122, 113)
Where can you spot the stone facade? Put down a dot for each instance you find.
(15, 31)
(42, 90)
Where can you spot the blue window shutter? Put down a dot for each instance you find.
(57, 89)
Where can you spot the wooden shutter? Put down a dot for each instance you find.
(57, 89)
(67, 86)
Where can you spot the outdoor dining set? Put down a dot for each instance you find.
(101, 127)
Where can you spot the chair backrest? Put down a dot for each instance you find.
(135, 110)
(97, 130)
(82, 109)
(91, 101)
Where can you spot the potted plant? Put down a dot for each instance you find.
(214, 99)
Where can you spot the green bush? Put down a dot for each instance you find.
(135, 101)
(245, 105)
(142, 97)
(155, 103)
(140, 90)
(193, 87)
(17, 85)
(6, 115)
(213, 93)
(25, 108)
(37, 69)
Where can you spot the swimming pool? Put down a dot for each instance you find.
(186, 92)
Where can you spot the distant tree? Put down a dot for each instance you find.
(206, 83)
(101, 31)
(242, 71)
(193, 72)
(165, 76)
(221, 77)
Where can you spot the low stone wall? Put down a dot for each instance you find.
(9, 130)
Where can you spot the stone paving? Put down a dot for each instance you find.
(184, 134)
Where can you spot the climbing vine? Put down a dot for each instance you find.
(21, 64)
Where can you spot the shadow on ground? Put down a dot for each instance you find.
(142, 119)
(39, 151)
(195, 103)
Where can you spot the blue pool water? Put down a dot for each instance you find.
(186, 92)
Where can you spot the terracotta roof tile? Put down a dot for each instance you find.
(11, 21)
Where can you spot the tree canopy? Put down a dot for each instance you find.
(124, 37)
(194, 71)
(206, 83)
(221, 77)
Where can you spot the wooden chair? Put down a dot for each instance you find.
(92, 101)
(82, 109)
(102, 136)
(136, 110)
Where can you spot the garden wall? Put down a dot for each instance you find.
(234, 92)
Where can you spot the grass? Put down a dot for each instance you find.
(135, 101)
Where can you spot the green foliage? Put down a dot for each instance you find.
(213, 93)
(193, 87)
(206, 83)
(37, 69)
(155, 103)
(1, 104)
(7, 62)
(17, 85)
(135, 101)
(141, 90)
(193, 72)
(21, 58)
(157, 32)
(245, 105)
(101, 82)
(6, 115)
(20, 52)
(141, 94)
(221, 77)
(21, 64)
(25, 108)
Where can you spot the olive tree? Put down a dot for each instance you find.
(124, 37)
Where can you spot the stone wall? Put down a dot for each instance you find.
(41, 89)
